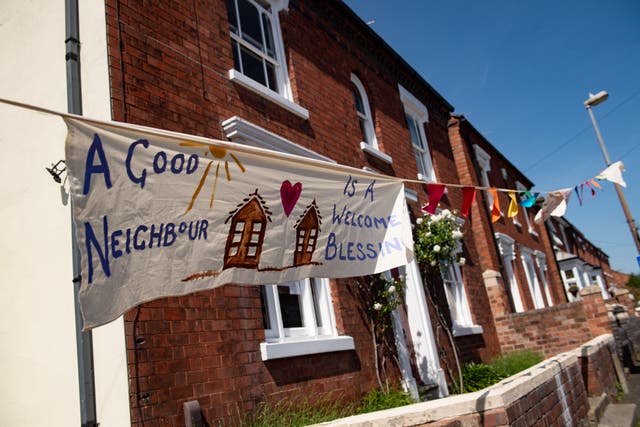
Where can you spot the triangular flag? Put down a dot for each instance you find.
(495, 209)
(468, 196)
(530, 200)
(593, 192)
(578, 194)
(554, 205)
(513, 205)
(613, 173)
(596, 184)
(435, 194)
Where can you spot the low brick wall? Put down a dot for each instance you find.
(554, 393)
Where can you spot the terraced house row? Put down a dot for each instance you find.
(303, 77)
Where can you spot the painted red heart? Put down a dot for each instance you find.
(289, 194)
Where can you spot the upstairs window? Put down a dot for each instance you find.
(484, 163)
(417, 116)
(258, 51)
(253, 44)
(361, 103)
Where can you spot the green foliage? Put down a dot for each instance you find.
(377, 400)
(512, 363)
(437, 239)
(477, 376)
(380, 296)
(634, 281)
(297, 413)
(305, 411)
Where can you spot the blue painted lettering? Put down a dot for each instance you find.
(90, 168)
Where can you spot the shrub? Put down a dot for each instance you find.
(477, 376)
(512, 363)
(377, 400)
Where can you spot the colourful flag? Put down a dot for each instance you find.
(495, 209)
(513, 205)
(468, 196)
(435, 194)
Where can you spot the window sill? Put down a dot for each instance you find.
(279, 350)
(376, 153)
(274, 97)
(460, 331)
(426, 179)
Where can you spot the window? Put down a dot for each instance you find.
(507, 251)
(541, 260)
(416, 115)
(532, 277)
(458, 303)
(258, 52)
(298, 316)
(298, 320)
(484, 162)
(571, 281)
(369, 143)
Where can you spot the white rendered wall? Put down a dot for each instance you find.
(38, 362)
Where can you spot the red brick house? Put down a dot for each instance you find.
(307, 78)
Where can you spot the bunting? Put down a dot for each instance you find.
(613, 173)
(513, 205)
(435, 194)
(495, 209)
(468, 196)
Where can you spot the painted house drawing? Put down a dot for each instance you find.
(307, 231)
(246, 234)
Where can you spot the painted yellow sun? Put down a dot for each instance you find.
(220, 154)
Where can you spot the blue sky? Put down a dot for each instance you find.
(520, 72)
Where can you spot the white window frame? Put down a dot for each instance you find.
(280, 343)
(283, 96)
(541, 261)
(310, 338)
(506, 245)
(575, 266)
(526, 255)
(458, 301)
(484, 162)
(417, 111)
(370, 143)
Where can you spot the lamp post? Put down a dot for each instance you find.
(592, 101)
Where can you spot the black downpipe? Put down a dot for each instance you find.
(84, 340)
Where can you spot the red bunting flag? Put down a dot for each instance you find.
(495, 210)
(468, 196)
(435, 194)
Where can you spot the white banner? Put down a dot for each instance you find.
(160, 214)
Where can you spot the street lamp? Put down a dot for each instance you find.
(592, 101)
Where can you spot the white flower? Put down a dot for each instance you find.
(462, 260)
(427, 234)
(436, 248)
(446, 213)
(377, 306)
(400, 278)
(457, 234)
(433, 263)
(419, 221)
(391, 289)
(436, 218)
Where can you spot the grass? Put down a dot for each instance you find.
(305, 411)
(477, 376)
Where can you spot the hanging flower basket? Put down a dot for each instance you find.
(437, 240)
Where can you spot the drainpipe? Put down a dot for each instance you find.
(84, 340)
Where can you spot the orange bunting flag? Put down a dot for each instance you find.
(596, 184)
(435, 194)
(495, 210)
(513, 205)
(468, 196)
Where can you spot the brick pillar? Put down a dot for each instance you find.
(596, 311)
(495, 290)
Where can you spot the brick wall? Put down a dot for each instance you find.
(552, 393)
(168, 65)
